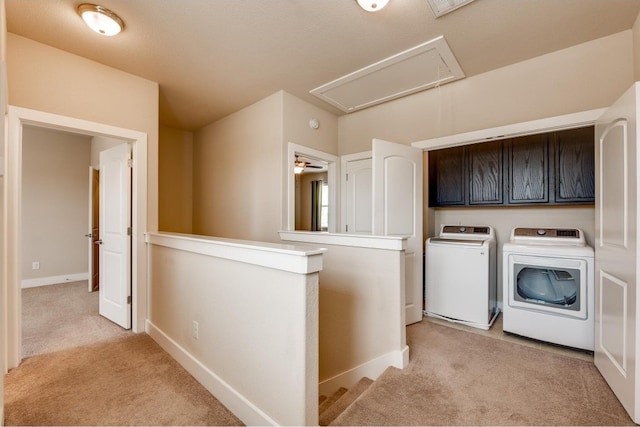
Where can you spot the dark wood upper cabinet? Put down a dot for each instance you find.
(575, 175)
(528, 169)
(446, 177)
(550, 168)
(485, 173)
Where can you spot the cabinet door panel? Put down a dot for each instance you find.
(448, 180)
(529, 170)
(485, 173)
(575, 176)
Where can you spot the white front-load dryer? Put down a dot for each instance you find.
(548, 286)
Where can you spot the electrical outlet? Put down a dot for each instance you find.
(194, 330)
(35, 265)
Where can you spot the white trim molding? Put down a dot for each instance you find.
(567, 121)
(333, 177)
(17, 118)
(223, 391)
(392, 243)
(54, 280)
(289, 258)
(371, 369)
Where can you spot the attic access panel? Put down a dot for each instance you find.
(416, 69)
(442, 7)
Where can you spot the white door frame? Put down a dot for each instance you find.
(17, 117)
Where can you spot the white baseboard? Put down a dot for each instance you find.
(53, 280)
(371, 369)
(234, 401)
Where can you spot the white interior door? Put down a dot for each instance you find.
(115, 235)
(616, 249)
(397, 211)
(359, 182)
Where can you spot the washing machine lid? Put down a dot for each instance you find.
(447, 241)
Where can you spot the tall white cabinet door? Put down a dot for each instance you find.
(115, 238)
(359, 193)
(397, 211)
(616, 260)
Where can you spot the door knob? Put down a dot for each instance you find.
(98, 242)
(88, 235)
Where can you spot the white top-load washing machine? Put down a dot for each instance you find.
(460, 276)
(548, 286)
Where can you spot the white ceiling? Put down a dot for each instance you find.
(214, 57)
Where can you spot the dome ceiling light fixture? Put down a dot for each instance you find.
(372, 5)
(100, 19)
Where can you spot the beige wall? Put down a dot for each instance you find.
(567, 81)
(360, 307)
(239, 186)
(257, 345)
(296, 129)
(55, 197)
(297, 114)
(175, 180)
(237, 174)
(47, 79)
(636, 49)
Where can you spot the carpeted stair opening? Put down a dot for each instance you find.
(331, 407)
(459, 378)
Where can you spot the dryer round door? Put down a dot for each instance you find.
(550, 286)
(547, 284)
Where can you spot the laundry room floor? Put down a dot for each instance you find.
(496, 332)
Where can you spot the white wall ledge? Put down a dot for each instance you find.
(289, 258)
(394, 243)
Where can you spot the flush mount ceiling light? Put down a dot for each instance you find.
(372, 5)
(100, 19)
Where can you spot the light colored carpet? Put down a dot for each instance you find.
(454, 378)
(461, 378)
(62, 316)
(124, 381)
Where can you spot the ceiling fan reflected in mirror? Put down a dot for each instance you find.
(300, 165)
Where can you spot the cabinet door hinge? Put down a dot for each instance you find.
(129, 299)
(129, 231)
(130, 163)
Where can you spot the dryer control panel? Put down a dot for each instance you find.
(557, 236)
(548, 232)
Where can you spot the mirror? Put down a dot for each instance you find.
(317, 175)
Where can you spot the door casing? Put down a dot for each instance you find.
(17, 117)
